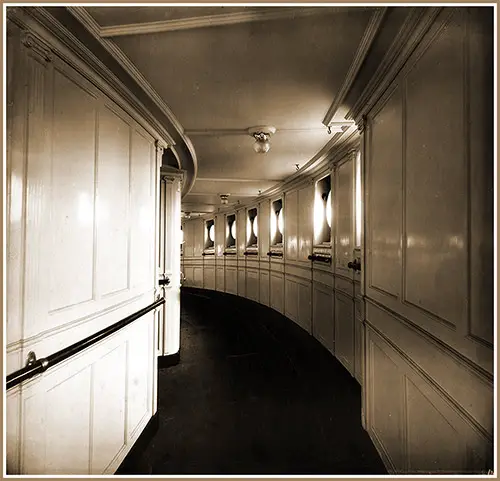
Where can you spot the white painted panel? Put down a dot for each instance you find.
(252, 289)
(142, 213)
(209, 277)
(189, 276)
(384, 196)
(436, 179)
(231, 280)
(71, 274)
(305, 222)
(291, 299)
(241, 282)
(220, 236)
(198, 236)
(108, 408)
(264, 228)
(198, 276)
(323, 316)
(241, 238)
(112, 203)
(277, 294)
(481, 135)
(305, 306)
(13, 432)
(291, 225)
(188, 249)
(67, 418)
(264, 288)
(385, 405)
(433, 445)
(219, 278)
(139, 351)
(343, 217)
(344, 331)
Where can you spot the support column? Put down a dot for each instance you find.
(169, 261)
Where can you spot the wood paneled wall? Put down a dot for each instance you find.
(429, 233)
(416, 327)
(82, 177)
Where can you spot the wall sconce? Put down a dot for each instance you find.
(262, 134)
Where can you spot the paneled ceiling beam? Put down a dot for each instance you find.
(364, 46)
(263, 14)
(225, 179)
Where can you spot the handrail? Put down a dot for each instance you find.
(41, 365)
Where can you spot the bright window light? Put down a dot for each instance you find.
(255, 227)
(280, 221)
(233, 229)
(274, 225)
(249, 229)
(211, 233)
(319, 215)
(329, 209)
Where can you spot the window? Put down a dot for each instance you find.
(231, 230)
(358, 192)
(252, 228)
(277, 223)
(209, 234)
(323, 211)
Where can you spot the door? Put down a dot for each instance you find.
(82, 179)
(169, 261)
(344, 256)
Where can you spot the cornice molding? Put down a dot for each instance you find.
(95, 30)
(37, 22)
(410, 34)
(37, 46)
(369, 35)
(218, 20)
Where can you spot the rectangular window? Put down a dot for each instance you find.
(231, 230)
(323, 211)
(252, 227)
(209, 234)
(277, 223)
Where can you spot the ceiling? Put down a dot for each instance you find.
(222, 70)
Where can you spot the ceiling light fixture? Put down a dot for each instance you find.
(224, 199)
(262, 134)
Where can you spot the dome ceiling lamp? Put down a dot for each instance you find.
(262, 134)
(224, 199)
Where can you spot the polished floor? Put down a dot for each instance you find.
(253, 394)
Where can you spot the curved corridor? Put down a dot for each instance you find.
(253, 394)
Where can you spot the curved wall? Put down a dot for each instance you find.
(416, 327)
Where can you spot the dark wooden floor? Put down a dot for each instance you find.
(253, 394)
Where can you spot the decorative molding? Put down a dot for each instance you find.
(94, 29)
(72, 51)
(218, 20)
(37, 46)
(369, 35)
(410, 34)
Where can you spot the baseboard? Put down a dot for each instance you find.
(131, 459)
(169, 361)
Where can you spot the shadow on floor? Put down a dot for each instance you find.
(253, 394)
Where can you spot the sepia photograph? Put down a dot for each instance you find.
(250, 239)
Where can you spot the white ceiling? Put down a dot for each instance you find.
(221, 80)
